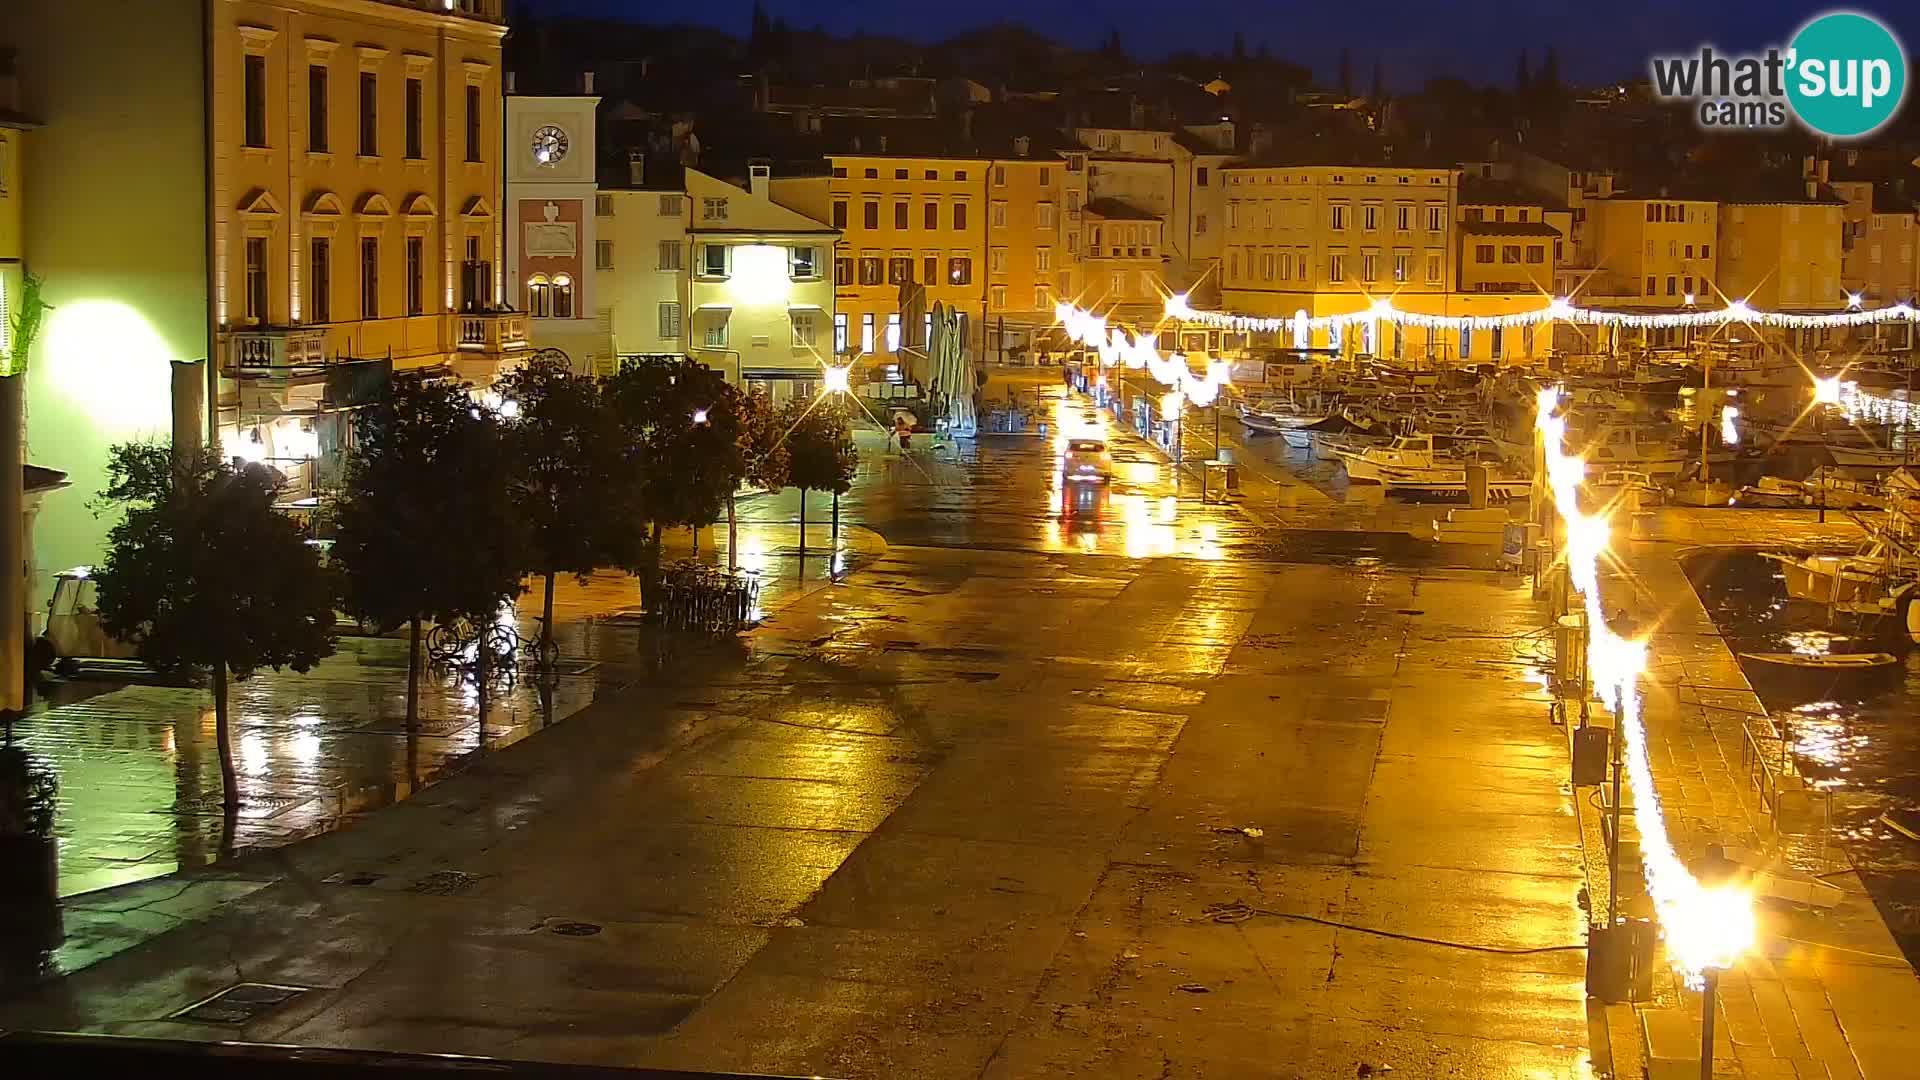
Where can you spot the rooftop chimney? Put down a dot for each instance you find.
(510, 82)
(1813, 188)
(1822, 169)
(586, 82)
(759, 179)
(1021, 144)
(637, 168)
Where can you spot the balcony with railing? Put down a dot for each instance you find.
(275, 351)
(485, 10)
(498, 333)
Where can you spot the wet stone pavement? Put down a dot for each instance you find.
(1041, 787)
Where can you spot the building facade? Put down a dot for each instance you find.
(554, 251)
(301, 193)
(760, 292)
(645, 278)
(906, 221)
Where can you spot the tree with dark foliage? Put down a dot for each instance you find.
(427, 526)
(203, 574)
(579, 495)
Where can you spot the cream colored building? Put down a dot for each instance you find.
(645, 279)
(760, 293)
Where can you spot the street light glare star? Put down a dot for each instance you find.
(836, 380)
(699, 416)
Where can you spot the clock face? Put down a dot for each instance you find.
(549, 144)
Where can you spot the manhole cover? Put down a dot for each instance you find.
(574, 929)
(240, 1003)
(444, 883)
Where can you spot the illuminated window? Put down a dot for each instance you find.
(805, 263)
(1402, 267)
(803, 328)
(840, 332)
(539, 296)
(872, 270)
(842, 271)
(959, 271)
(562, 296)
(900, 270)
(866, 332)
(893, 332)
(715, 335)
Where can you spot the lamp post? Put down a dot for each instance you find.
(1708, 998)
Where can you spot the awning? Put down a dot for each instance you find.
(357, 382)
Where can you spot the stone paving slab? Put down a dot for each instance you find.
(1827, 994)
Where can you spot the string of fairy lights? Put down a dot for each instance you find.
(1135, 350)
(1557, 309)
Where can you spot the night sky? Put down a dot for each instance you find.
(1476, 39)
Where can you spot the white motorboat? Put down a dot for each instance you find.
(1832, 579)
(1405, 452)
(1637, 447)
(1446, 481)
(1869, 457)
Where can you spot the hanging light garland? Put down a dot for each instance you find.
(1116, 347)
(1559, 309)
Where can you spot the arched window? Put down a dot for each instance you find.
(562, 296)
(539, 296)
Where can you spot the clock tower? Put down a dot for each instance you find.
(552, 242)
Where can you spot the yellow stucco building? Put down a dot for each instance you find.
(277, 188)
(905, 220)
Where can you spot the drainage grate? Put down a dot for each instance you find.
(252, 808)
(240, 1003)
(444, 883)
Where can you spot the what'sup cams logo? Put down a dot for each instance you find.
(1843, 76)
